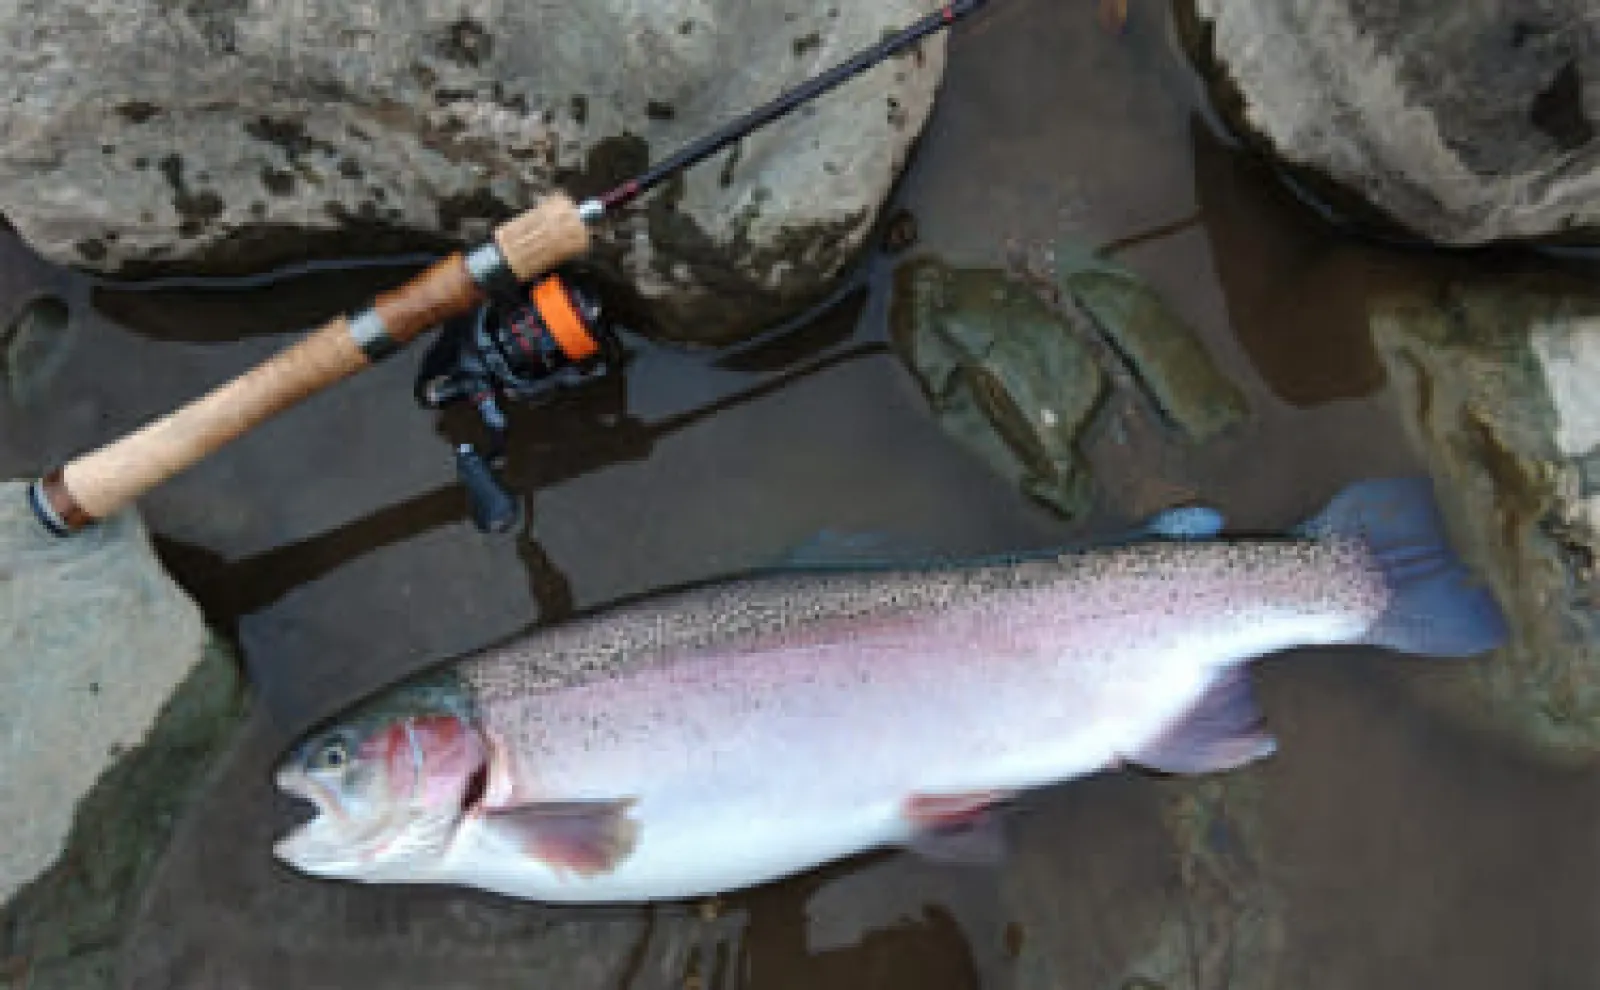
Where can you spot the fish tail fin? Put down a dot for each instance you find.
(1437, 607)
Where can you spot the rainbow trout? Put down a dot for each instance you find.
(722, 736)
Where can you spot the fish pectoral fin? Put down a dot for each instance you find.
(1223, 731)
(587, 838)
(958, 828)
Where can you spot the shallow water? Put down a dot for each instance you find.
(334, 544)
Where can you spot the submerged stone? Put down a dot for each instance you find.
(34, 347)
(1008, 376)
(1164, 352)
(1497, 383)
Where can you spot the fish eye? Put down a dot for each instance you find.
(332, 756)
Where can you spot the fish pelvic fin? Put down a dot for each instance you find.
(585, 838)
(1224, 730)
(1437, 606)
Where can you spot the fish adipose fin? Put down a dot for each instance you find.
(582, 837)
(958, 828)
(1190, 522)
(1223, 731)
(1438, 608)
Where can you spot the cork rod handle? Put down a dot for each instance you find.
(99, 483)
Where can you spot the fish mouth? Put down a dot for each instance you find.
(302, 811)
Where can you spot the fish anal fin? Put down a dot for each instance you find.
(958, 828)
(1223, 731)
(586, 838)
(941, 810)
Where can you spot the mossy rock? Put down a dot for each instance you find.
(63, 931)
(1009, 377)
(1492, 378)
(1162, 350)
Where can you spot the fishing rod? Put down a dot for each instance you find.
(523, 344)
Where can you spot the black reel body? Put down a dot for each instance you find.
(527, 349)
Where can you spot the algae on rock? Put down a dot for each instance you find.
(65, 929)
(1018, 380)
(1166, 355)
(1009, 377)
(114, 698)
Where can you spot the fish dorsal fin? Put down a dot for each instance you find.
(833, 549)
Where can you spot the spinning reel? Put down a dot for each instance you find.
(526, 348)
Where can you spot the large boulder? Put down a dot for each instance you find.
(1497, 379)
(231, 136)
(1463, 123)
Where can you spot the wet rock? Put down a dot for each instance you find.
(211, 137)
(113, 701)
(1178, 892)
(1164, 352)
(1462, 124)
(1228, 931)
(1497, 379)
(1009, 377)
(34, 347)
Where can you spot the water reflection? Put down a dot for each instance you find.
(591, 432)
(1295, 292)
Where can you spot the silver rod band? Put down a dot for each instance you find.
(491, 272)
(369, 334)
(45, 513)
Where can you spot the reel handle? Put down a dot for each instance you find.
(493, 509)
(97, 484)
